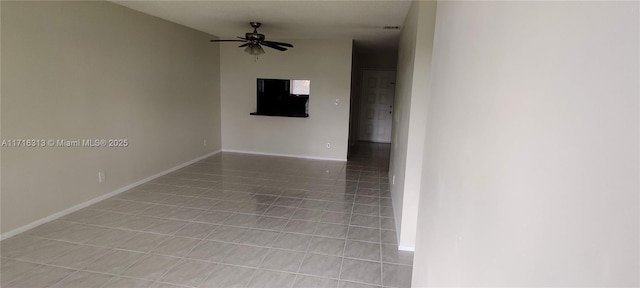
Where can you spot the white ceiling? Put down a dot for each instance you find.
(301, 19)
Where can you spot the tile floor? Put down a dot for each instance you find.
(231, 220)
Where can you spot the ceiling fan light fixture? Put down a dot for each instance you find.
(254, 49)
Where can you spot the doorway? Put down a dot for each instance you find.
(377, 90)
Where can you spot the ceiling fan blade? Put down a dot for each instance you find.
(274, 47)
(228, 41)
(277, 43)
(244, 45)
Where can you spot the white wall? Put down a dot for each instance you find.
(327, 63)
(75, 70)
(409, 118)
(531, 161)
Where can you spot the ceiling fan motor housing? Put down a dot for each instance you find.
(254, 36)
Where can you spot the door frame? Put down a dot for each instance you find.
(361, 97)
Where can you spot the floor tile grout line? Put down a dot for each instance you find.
(184, 257)
(306, 253)
(347, 236)
(219, 224)
(269, 248)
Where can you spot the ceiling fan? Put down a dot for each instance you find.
(255, 41)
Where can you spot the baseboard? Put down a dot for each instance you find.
(284, 155)
(99, 198)
(406, 248)
(395, 220)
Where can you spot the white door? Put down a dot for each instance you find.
(376, 105)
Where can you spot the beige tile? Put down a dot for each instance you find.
(227, 234)
(362, 250)
(364, 234)
(388, 237)
(307, 214)
(291, 241)
(365, 221)
(159, 211)
(81, 233)
(258, 237)
(210, 251)
(213, 217)
(313, 204)
(142, 242)
(387, 223)
(396, 275)
(134, 222)
(271, 279)
(386, 211)
(270, 223)
(111, 237)
(78, 257)
(185, 214)
(304, 281)
(371, 210)
(166, 226)
(282, 260)
(348, 284)
(287, 201)
(244, 255)
(164, 285)
(228, 276)
(188, 273)
(366, 200)
(176, 246)
(196, 230)
(335, 217)
(338, 206)
(177, 200)
(44, 250)
(108, 219)
(241, 220)
(300, 226)
(331, 230)
(114, 261)
(201, 203)
(81, 279)
(13, 269)
(126, 282)
(361, 271)
(150, 267)
(327, 246)
(321, 265)
(280, 211)
(41, 276)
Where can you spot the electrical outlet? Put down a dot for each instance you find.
(393, 179)
(328, 145)
(101, 177)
